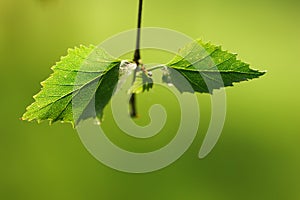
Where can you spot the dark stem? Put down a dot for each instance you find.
(137, 55)
(136, 58)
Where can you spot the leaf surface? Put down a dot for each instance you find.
(207, 67)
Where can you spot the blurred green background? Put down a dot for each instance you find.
(257, 156)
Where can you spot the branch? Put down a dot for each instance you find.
(136, 59)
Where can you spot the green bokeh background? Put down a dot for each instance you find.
(257, 156)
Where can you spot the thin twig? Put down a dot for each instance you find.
(136, 59)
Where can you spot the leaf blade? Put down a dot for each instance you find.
(207, 67)
(77, 74)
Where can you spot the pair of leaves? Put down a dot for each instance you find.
(83, 82)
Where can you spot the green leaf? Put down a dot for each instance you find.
(143, 82)
(207, 67)
(86, 76)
